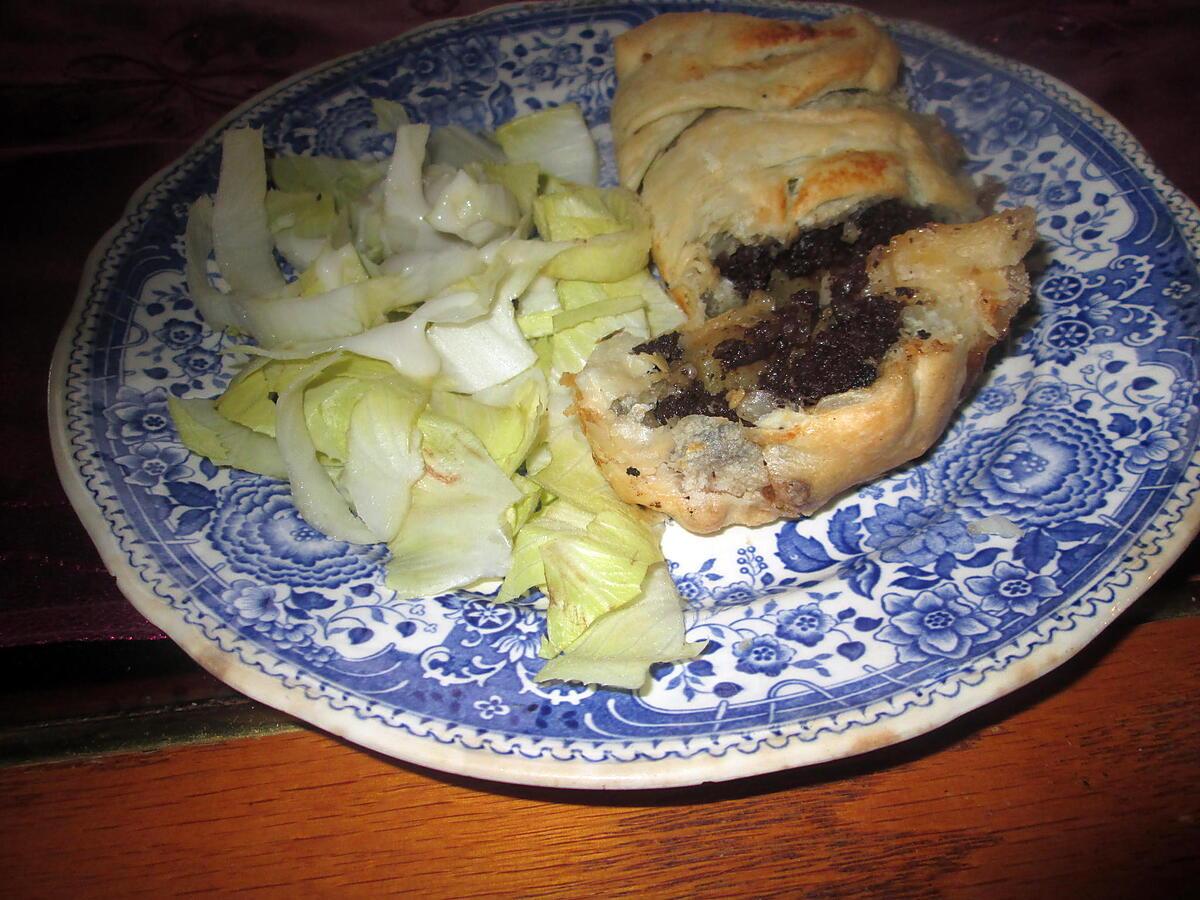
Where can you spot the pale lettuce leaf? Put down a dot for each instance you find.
(241, 236)
(522, 511)
(219, 309)
(389, 115)
(476, 211)
(557, 139)
(521, 179)
(383, 454)
(570, 348)
(537, 306)
(456, 534)
(405, 208)
(304, 224)
(346, 180)
(332, 269)
(205, 431)
(509, 431)
(314, 492)
(619, 648)
(454, 146)
(585, 578)
(482, 353)
(554, 521)
(610, 308)
(611, 228)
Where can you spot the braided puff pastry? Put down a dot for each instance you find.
(840, 288)
(676, 66)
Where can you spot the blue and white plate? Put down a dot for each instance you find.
(881, 618)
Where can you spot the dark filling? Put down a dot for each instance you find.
(822, 249)
(691, 399)
(665, 345)
(791, 325)
(784, 340)
(843, 353)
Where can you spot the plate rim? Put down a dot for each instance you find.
(487, 763)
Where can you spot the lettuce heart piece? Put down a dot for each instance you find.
(557, 139)
(383, 453)
(619, 648)
(205, 431)
(456, 533)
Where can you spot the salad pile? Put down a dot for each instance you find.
(407, 365)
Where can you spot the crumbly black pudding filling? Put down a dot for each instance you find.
(822, 249)
(808, 327)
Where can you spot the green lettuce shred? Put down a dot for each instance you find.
(205, 431)
(619, 648)
(456, 533)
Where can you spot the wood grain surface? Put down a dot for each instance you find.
(1082, 784)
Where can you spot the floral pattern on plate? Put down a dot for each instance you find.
(881, 617)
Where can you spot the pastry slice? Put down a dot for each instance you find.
(770, 410)
(840, 285)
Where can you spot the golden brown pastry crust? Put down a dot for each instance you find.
(967, 281)
(676, 66)
(740, 130)
(755, 175)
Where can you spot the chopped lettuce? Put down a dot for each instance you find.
(241, 236)
(598, 563)
(404, 203)
(408, 382)
(507, 431)
(205, 431)
(345, 180)
(300, 326)
(557, 139)
(574, 315)
(476, 211)
(619, 648)
(250, 398)
(383, 454)
(284, 320)
(575, 212)
(537, 306)
(331, 270)
(663, 314)
(456, 147)
(457, 533)
(308, 214)
(571, 473)
(612, 225)
(304, 224)
(520, 512)
(556, 519)
(585, 579)
(521, 179)
(314, 491)
(569, 349)
(389, 114)
(482, 353)
(591, 311)
(217, 308)
(331, 398)
(614, 306)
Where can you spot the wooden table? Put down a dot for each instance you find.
(1083, 784)
(149, 778)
